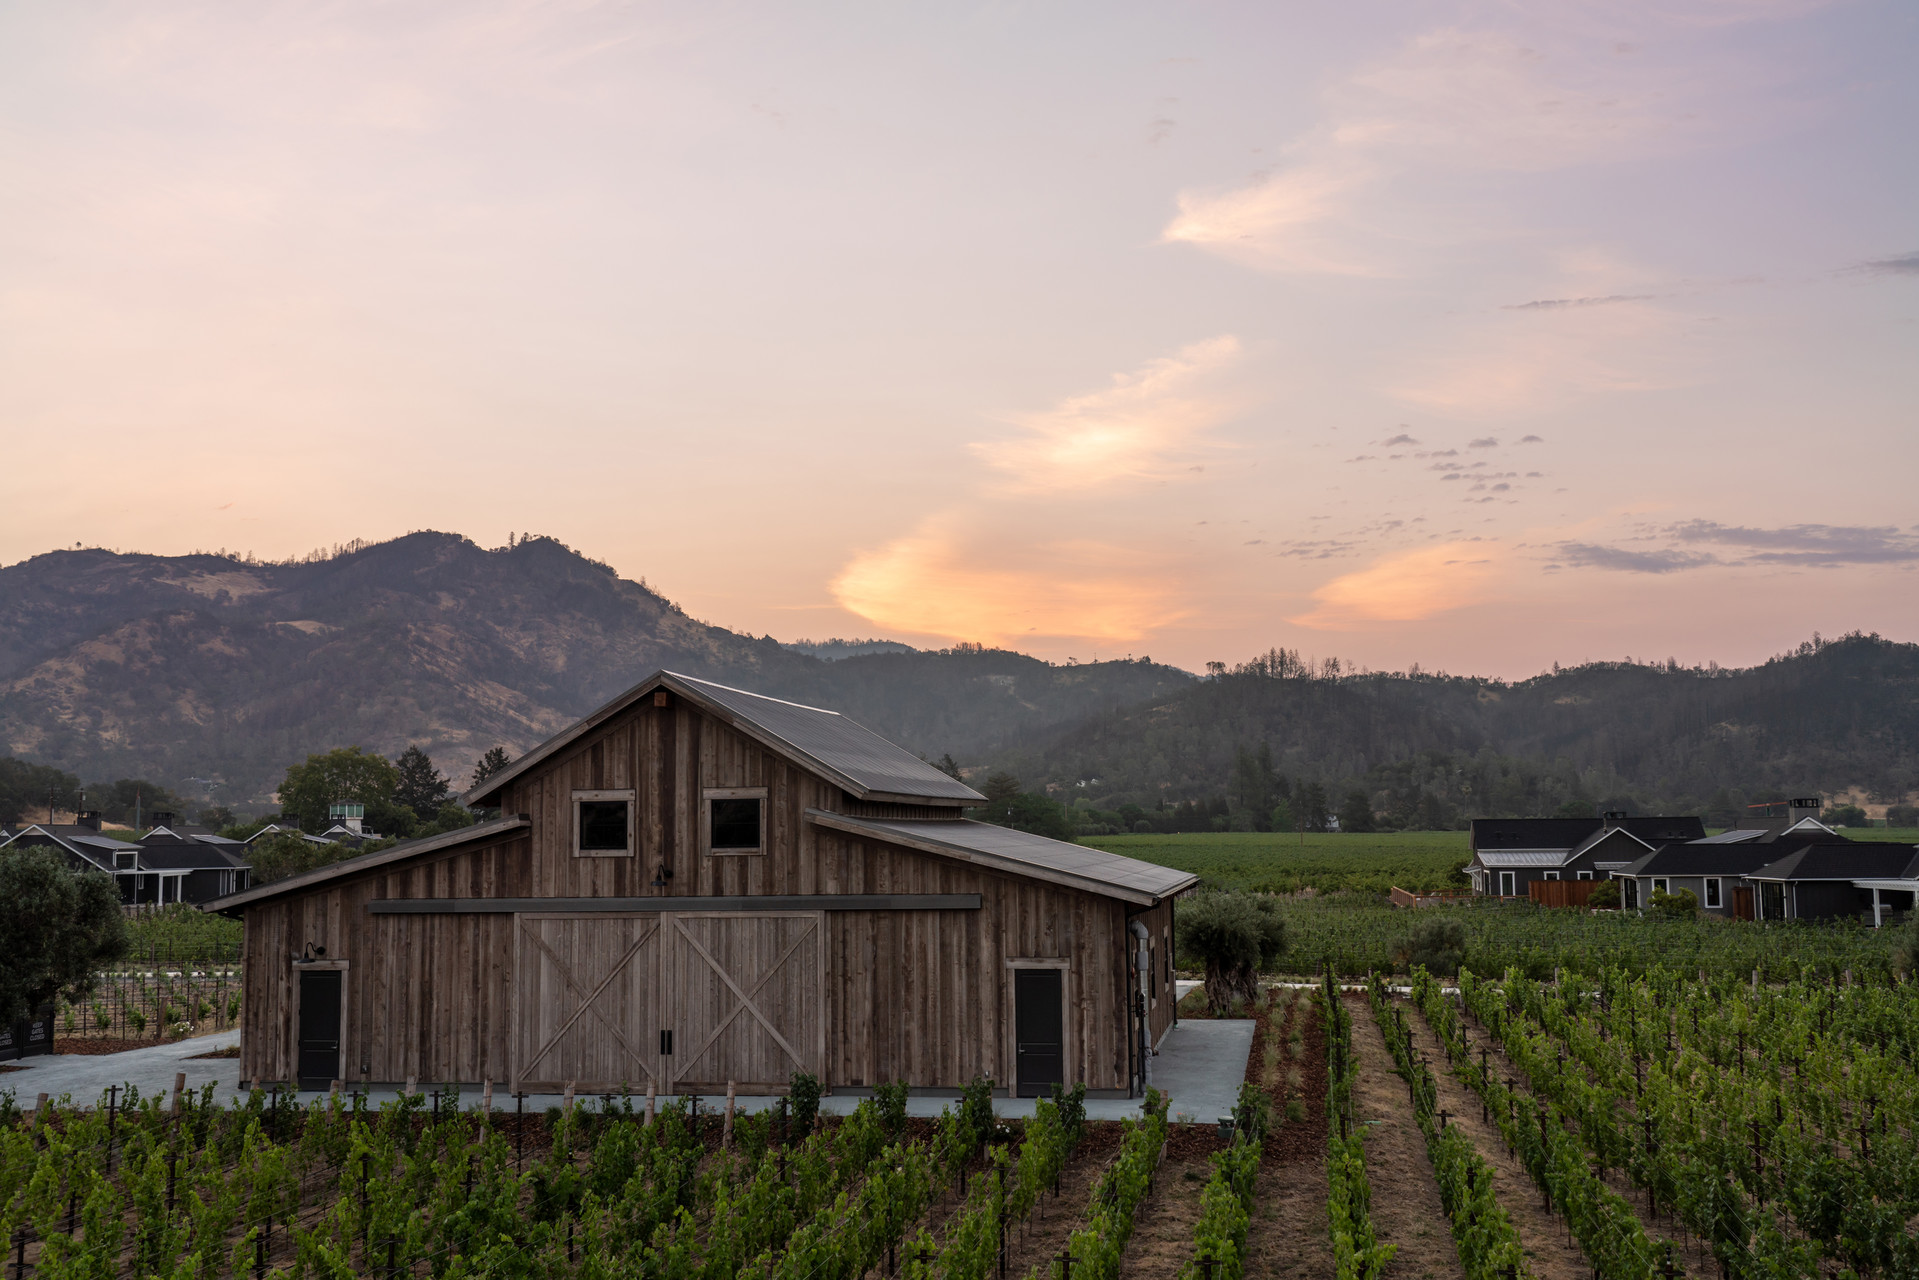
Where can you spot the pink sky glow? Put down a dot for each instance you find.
(1478, 335)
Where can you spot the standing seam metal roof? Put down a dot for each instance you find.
(844, 750)
(1095, 867)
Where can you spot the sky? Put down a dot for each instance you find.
(1481, 336)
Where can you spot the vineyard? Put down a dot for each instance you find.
(1626, 1126)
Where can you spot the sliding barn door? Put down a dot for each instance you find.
(748, 993)
(587, 1002)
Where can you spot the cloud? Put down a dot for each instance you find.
(1130, 432)
(1808, 544)
(1532, 440)
(1401, 438)
(1556, 304)
(939, 581)
(1403, 588)
(1601, 557)
(1484, 442)
(1906, 264)
(1451, 101)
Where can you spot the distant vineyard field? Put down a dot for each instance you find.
(1274, 862)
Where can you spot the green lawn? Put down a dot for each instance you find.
(1283, 863)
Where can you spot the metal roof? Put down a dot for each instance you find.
(1523, 857)
(369, 861)
(1079, 866)
(1737, 835)
(841, 750)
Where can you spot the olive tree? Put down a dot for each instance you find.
(1233, 935)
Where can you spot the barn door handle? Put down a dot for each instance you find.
(666, 1044)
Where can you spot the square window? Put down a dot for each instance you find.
(1659, 886)
(735, 824)
(603, 826)
(1552, 875)
(1584, 875)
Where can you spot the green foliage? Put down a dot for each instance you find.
(1487, 1241)
(1846, 815)
(421, 787)
(1233, 935)
(1605, 896)
(1109, 1211)
(1285, 862)
(1357, 935)
(1683, 905)
(1436, 943)
(804, 1091)
(1007, 805)
(1357, 1253)
(26, 787)
(343, 775)
(1902, 815)
(180, 931)
(58, 928)
(890, 1099)
(495, 760)
(1356, 814)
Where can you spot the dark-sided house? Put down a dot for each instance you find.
(697, 885)
(1715, 868)
(1510, 853)
(162, 867)
(207, 866)
(1825, 881)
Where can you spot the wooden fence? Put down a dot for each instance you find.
(1562, 893)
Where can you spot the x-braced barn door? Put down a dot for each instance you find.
(749, 998)
(587, 998)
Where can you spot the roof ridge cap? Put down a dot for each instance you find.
(748, 693)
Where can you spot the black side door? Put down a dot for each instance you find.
(1039, 1031)
(319, 1039)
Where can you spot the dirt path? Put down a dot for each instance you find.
(1288, 1236)
(1162, 1239)
(1406, 1207)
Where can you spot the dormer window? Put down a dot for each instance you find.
(126, 861)
(602, 824)
(735, 820)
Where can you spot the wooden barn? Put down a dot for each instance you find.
(697, 885)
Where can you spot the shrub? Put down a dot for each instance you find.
(804, 1093)
(1605, 896)
(1439, 944)
(1902, 815)
(1676, 906)
(890, 1099)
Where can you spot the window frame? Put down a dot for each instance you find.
(1713, 893)
(1551, 875)
(603, 795)
(1508, 883)
(707, 796)
(1661, 884)
(1582, 875)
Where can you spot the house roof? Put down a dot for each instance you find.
(826, 742)
(82, 842)
(1855, 861)
(369, 862)
(1703, 858)
(1522, 857)
(1022, 853)
(184, 835)
(1569, 833)
(1618, 835)
(190, 857)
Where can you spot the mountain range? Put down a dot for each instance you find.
(211, 674)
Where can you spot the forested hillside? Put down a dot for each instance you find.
(210, 675)
(225, 671)
(1830, 716)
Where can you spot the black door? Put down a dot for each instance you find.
(1039, 1031)
(319, 1059)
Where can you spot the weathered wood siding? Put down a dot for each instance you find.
(921, 996)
